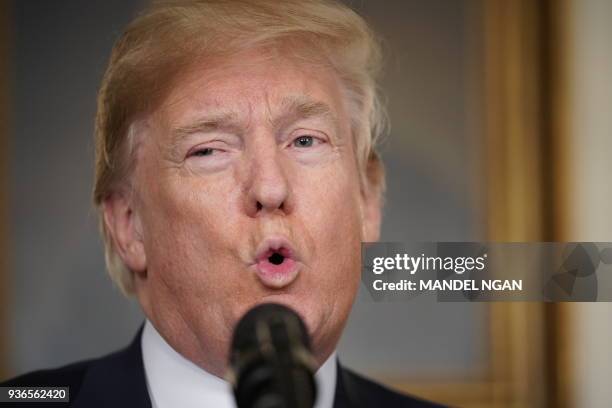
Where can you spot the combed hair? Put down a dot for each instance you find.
(171, 36)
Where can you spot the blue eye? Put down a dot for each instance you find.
(304, 141)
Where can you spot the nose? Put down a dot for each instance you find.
(267, 186)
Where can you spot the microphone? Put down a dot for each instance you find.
(271, 362)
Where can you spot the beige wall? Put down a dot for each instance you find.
(590, 184)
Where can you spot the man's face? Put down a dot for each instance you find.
(247, 191)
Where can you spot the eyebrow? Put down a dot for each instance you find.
(207, 123)
(302, 107)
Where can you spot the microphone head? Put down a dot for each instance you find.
(271, 361)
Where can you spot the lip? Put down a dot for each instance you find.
(276, 276)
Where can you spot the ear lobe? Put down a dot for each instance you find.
(372, 219)
(373, 198)
(124, 227)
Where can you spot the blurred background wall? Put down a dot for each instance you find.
(60, 306)
(588, 124)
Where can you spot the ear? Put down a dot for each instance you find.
(373, 193)
(125, 229)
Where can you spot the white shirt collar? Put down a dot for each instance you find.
(174, 381)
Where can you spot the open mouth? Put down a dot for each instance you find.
(276, 258)
(276, 266)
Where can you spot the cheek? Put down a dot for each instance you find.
(336, 215)
(334, 226)
(183, 233)
(333, 218)
(192, 266)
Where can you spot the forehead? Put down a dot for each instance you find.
(251, 85)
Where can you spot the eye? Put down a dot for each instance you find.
(304, 141)
(206, 151)
(210, 156)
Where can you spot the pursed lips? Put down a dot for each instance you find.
(276, 263)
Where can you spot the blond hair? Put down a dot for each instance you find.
(166, 40)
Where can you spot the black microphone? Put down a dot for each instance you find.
(271, 362)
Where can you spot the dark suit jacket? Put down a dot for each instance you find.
(118, 380)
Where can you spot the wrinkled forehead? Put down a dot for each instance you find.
(254, 85)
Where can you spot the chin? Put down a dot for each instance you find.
(322, 319)
(309, 310)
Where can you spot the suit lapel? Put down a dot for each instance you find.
(116, 381)
(345, 396)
